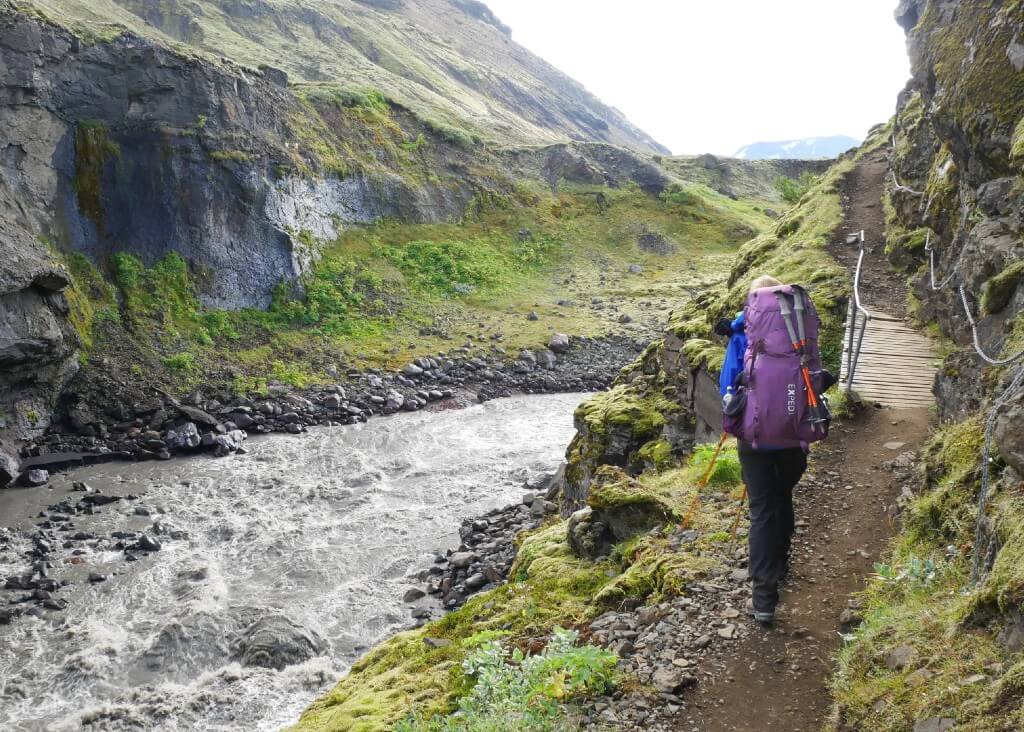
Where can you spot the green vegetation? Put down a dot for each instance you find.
(512, 690)
(996, 293)
(93, 150)
(793, 189)
(423, 673)
(921, 603)
(233, 156)
(1017, 145)
(432, 284)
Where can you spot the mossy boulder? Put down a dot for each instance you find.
(615, 427)
(619, 508)
(999, 290)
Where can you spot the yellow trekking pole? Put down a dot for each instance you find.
(739, 514)
(702, 483)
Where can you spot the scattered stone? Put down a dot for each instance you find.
(727, 631)
(413, 595)
(934, 724)
(559, 343)
(671, 679)
(437, 642)
(899, 657)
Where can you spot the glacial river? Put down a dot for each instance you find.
(322, 532)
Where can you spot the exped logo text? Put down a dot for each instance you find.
(791, 398)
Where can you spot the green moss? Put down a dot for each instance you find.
(703, 353)
(550, 587)
(1017, 145)
(234, 156)
(93, 150)
(623, 406)
(91, 299)
(657, 454)
(997, 292)
(968, 61)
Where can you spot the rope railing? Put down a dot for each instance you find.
(931, 265)
(856, 310)
(984, 550)
(905, 189)
(977, 342)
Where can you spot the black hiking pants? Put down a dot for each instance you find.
(770, 476)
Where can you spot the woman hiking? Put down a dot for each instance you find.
(771, 384)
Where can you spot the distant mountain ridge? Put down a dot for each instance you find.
(807, 148)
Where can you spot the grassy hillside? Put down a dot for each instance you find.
(450, 61)
(382, 294)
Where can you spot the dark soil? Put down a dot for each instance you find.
(881, 288)
(775, 678)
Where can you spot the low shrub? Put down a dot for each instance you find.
(513, 691)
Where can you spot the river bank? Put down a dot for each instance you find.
(162, 426)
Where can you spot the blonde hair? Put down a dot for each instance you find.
(764, 281)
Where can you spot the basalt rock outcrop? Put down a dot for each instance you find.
(957, 166)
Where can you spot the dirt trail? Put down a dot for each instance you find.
(775, 679)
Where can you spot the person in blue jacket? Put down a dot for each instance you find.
(733, 365)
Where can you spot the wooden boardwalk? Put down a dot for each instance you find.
(897, 364)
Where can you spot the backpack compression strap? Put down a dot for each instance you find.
(798, 344)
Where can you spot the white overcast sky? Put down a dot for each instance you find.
(713, 76)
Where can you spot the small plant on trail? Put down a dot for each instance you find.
(518, 692)
(793, 189)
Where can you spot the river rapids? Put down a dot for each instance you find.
(318, 535)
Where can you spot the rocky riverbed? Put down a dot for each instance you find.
(158, 427)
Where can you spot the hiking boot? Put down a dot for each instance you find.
(765, 618)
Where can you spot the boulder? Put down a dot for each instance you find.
(185, 437)
(1009, 435)
(559, 343)
(228, 443)
(276, 642)
(9, 468)
(198, 415)
(394, 401)
(546, 359)
(461, 560)
(34, 478)
(620, 507)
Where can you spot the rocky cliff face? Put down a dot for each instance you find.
(127, 145)
(451, 61)
(959, 150)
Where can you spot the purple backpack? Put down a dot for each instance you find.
(778, 401)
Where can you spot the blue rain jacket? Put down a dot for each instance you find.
(733, 364)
